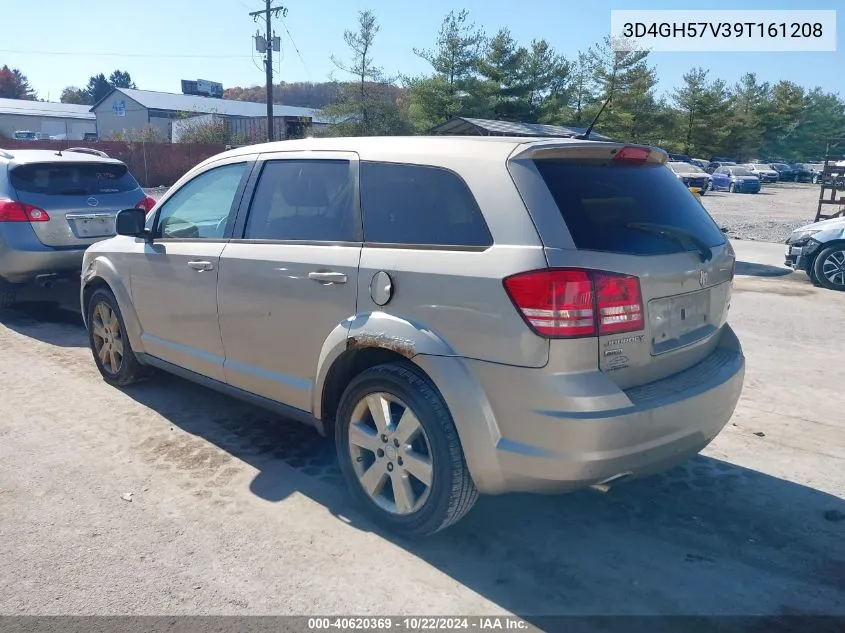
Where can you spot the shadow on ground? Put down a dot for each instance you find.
(706, 538)
(761, 270)
(709, 537)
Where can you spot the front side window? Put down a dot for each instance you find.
(202, 207)
(419, 205)
(309, 200)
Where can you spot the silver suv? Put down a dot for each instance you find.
(464, 315)
(53, 205)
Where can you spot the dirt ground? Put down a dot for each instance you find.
(234, 511)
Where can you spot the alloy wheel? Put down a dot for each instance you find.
(391, 454)
(833, 268)
(108, 337)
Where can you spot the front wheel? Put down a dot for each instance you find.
(399, 451)
(829, 267)
(109, 343)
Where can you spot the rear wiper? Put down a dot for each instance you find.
(674, 233)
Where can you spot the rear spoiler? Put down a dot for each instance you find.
(86, 150)
(597, 150)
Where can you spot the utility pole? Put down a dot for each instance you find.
(269, 44)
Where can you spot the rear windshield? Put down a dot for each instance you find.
(68, 179)
(603, 202)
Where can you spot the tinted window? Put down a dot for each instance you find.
(602, 202)
(202, 206)
(69, 179)
(412, 204)
(303, 200)
(740, 171)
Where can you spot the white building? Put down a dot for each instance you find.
(46, 118)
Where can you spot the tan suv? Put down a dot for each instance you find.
(464, 314)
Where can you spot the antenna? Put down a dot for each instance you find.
(586, 134)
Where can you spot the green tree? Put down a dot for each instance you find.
(581, 88)
(822, 117)
(545, 76)
(700, 104)
(500, 69)
(121, 79)
(366, 106)
(619, 76)
(98, 87)
(72, 94)
(455, 88)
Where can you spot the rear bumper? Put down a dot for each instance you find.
(23, 257)
(656, 426)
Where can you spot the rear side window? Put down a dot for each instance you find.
(69, 179)
(419, 206)
(603, 202)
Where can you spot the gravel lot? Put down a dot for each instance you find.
(768, 216)
(234, 511)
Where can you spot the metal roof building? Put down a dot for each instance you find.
(125, 109)
(46, 118)
(465, 126)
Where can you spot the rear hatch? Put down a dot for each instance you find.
(75, 203)
(620, 210)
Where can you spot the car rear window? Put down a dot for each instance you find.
(69, 179)
(603, 202)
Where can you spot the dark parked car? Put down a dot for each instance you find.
(802, 172)
(714, 165)
(734, 178)
(680, 158)
(785, 172)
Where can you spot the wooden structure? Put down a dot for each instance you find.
(832, 180)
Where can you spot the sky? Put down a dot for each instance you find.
(57, 43)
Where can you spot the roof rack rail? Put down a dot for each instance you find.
(6, 154)
(86, 150)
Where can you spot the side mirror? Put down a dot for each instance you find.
(131, 222)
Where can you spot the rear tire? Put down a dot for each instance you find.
(829, 267)
(109, 343)
(386, 468)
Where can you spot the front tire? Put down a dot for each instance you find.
(829, 267)
(399, 451)
(108, 340)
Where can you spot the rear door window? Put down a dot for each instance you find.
(307, 200)
(608, 207)
(419, 206)
(73, 179)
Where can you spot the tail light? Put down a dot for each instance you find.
(146, 204)
(11, 211)
(568, 303)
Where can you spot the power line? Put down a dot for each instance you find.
(140, 55)
(296, 48)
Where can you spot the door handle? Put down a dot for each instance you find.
(200, 265)
(328, 277)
